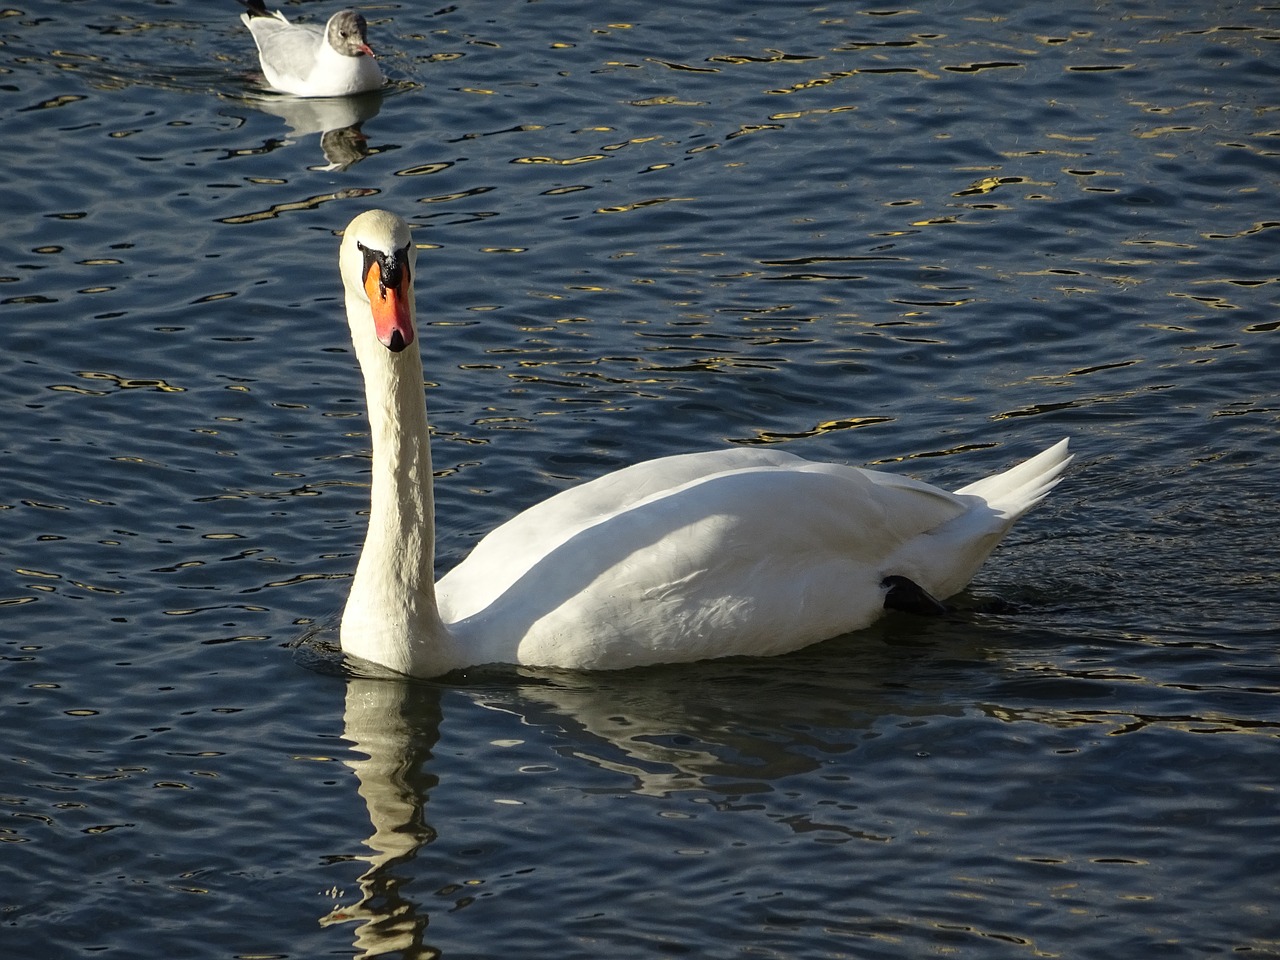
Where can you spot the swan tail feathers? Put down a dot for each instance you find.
(1018, 489)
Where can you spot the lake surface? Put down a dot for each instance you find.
(930, 239)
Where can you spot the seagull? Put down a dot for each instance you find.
(309, 61)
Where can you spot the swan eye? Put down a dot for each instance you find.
(371, 259)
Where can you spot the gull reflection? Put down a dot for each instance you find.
(338, 120)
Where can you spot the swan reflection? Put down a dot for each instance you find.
(716, 731)
(394, 725)
(338, 120)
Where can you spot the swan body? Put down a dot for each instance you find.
(312, 61)
(740, 551)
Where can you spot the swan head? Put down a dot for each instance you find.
(378, 261)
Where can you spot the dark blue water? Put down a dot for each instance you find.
(932, 239)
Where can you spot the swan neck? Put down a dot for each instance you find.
(402, 502)
(391, 617)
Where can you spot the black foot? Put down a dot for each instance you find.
(907, 596)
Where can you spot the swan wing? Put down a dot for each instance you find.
(507, 552)
(755, 560)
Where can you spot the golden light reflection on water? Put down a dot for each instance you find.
(1116, 723)
(295, 206)
(118, 382)
(566, 162)
(642, 204)
(828, 426)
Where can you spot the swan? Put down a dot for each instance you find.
(739, 551)
(312, 61)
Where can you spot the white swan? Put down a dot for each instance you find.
(311, 61)
(738, 551)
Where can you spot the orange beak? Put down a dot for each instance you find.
(391, 317)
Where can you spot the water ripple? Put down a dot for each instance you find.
(933, 242)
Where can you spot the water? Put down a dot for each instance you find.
(934, 239)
